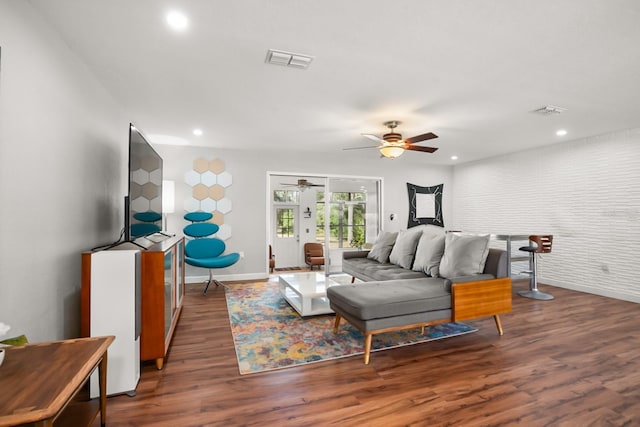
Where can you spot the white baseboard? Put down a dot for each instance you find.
(228, 277)
(589, 290)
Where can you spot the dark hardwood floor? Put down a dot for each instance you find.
(573, 361)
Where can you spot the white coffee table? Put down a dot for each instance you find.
(307, 292)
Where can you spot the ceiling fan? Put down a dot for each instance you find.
(302, 184)
(392, 145)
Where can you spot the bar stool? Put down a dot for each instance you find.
(540, 244)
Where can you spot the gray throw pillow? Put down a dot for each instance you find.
(464, 254)
(429, 253)
(382, 247)
(433, 230)
(404, 250)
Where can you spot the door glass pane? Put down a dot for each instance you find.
(353, 215)
(347, 219)
(285, 223)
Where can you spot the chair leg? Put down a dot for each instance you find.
(211, 279)
(533, 291)
(207, 285)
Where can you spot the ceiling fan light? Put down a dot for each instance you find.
(391, 151)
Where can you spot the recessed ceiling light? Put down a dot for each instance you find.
(561, 132)
(197, 132)
(177, 20)
(454, 157)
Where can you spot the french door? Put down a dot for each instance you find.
(285, 234)
(341, 212)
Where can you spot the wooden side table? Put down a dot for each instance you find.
(38, 381)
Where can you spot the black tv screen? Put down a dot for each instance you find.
(143, 208)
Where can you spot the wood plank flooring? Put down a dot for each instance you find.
(573, 361)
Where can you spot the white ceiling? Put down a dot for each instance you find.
(470, 71)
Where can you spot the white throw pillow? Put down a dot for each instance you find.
(382, 247)
(429, 253)
(464, 254)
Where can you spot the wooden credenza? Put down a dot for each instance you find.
(162, 292)
(161, 295)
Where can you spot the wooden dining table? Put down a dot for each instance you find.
(38, 382)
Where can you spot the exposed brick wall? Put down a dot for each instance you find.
(584, 192)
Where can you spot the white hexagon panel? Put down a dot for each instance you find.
(208, 178)
(224, 233)
(192, 178)
(208, 205)
(225, 179)
(224, 205)
(191, 205)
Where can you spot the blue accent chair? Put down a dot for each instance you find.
(198, 216)
(200, 229)
(206, 252)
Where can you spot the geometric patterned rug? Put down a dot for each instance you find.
(268, 334)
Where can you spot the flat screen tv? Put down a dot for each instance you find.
(143, 205)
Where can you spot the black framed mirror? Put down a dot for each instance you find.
(425, 205)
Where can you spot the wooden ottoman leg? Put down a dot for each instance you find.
(367, 348)
(336, 323)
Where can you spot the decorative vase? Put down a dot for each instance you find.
(1, 355)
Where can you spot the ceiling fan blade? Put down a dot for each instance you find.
(419, 138)
(418, 148)
(360, 148)
(372, 137)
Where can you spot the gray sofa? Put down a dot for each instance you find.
(400, 297)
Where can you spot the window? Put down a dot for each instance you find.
(347, 213)
(285, 226)
(286, 196)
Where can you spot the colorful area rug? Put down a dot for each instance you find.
(269, 334)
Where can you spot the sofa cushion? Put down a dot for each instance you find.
(404, 250)
(375, 300)
(395, 273)
(464, 254)
(382, 247)
(429, 253)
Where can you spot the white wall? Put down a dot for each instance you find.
(585, 192)
(249, 192)
(62, 175)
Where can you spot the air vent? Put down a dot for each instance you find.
(549, 110)
(288, 59)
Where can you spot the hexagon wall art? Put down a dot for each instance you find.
(209, 180)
